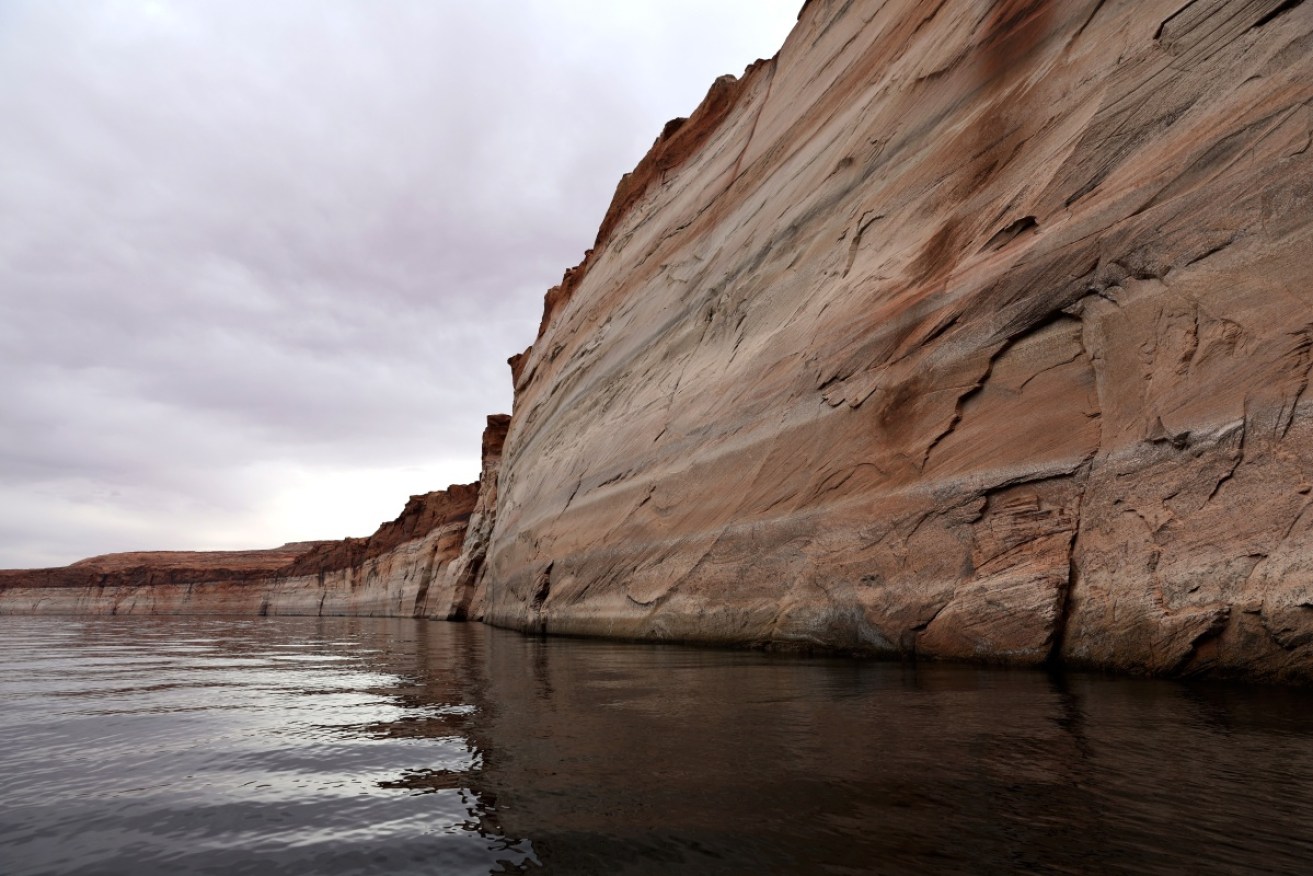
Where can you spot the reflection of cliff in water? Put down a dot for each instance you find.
(411, 746)
(440, 674)
(644, 759)
(585, 757)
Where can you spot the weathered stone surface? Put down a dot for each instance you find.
(963, 329)
(388, 574)
(462, 584)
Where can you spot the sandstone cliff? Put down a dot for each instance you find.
(465, 585)
(959, 329)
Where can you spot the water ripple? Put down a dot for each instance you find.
(205, 745)
(357, 746)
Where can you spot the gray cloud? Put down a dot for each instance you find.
(253, 250)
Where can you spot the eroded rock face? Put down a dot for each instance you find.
(962, 329)
(391, 573)
(463, 587)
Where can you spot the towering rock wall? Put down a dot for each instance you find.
(968, 329)
(964, 329)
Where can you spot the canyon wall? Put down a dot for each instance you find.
(960, 329)
(408, 568)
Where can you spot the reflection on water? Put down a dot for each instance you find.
(334, 746)
(203, 745)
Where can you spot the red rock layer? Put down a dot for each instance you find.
(389, 573)
(422, 515)
(959, 329)
(149, 567)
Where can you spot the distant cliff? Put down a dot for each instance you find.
(965, 329)
(408, 568)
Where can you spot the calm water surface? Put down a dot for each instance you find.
(336, 746)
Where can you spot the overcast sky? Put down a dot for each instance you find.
(262, 261)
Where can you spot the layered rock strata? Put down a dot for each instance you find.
(394, 572)
(958, 329)
(961, 329)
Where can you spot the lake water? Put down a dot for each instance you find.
(336, 746)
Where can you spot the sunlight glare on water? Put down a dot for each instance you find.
(201, 745)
